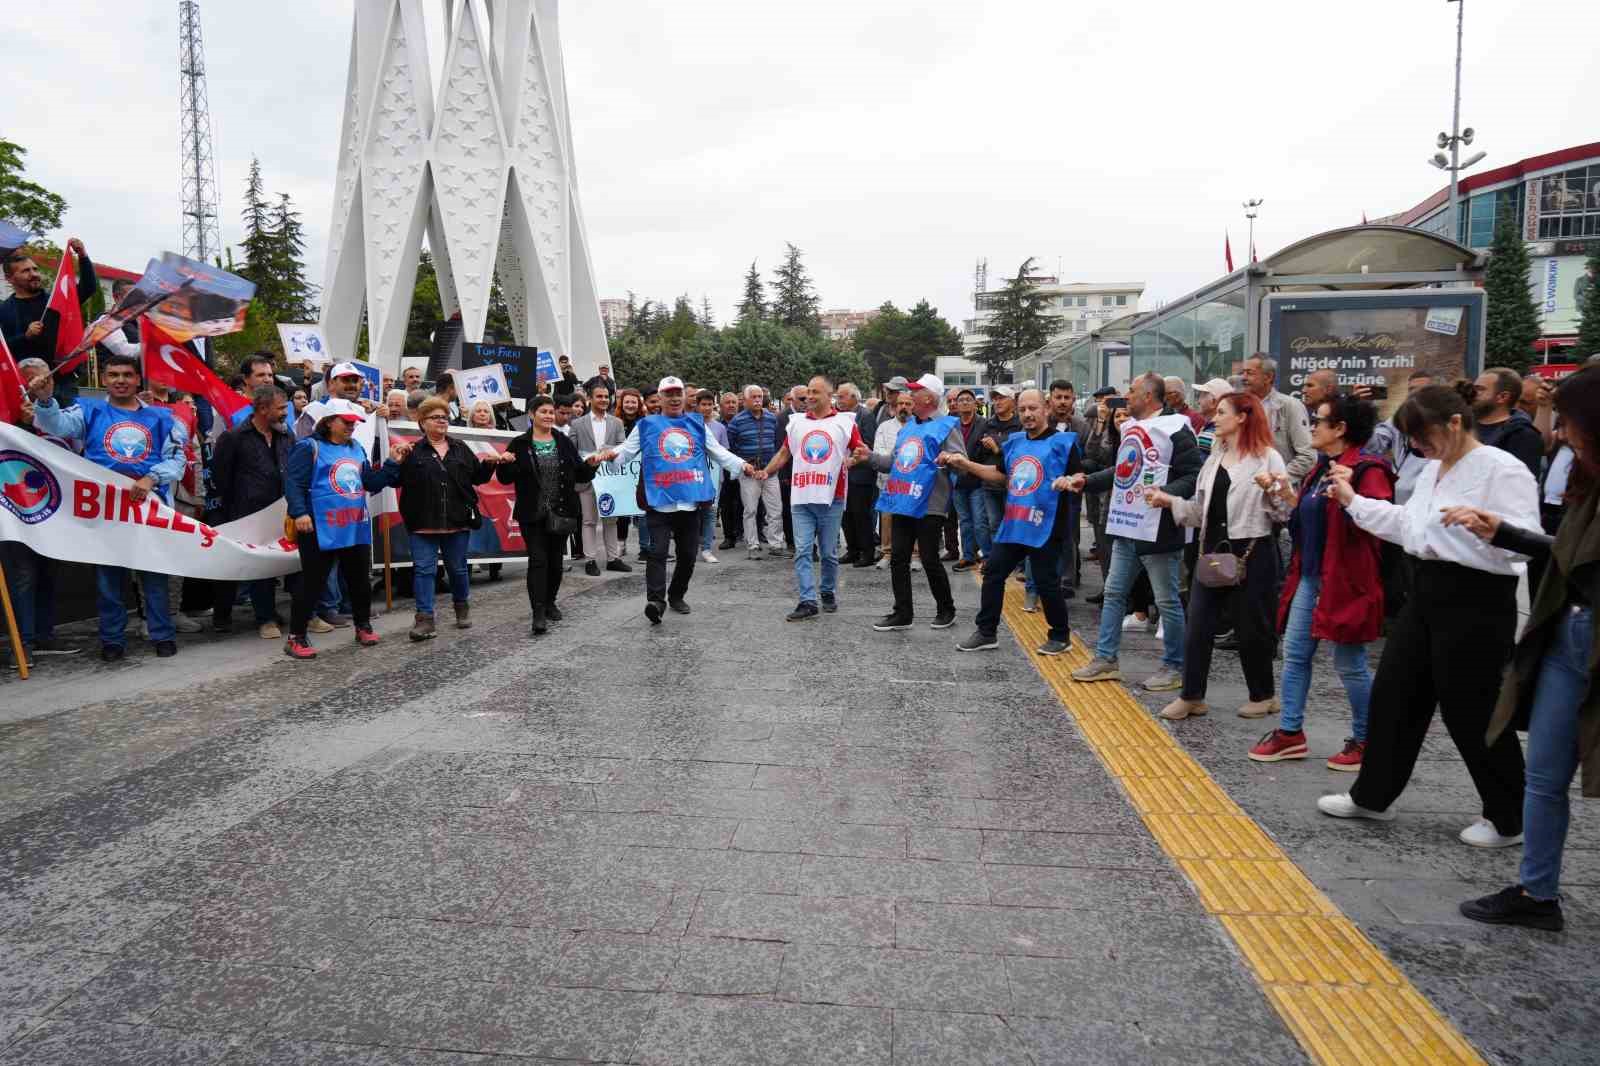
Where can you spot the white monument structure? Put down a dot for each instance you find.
(483, 167)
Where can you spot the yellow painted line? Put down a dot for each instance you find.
(1343, 1000)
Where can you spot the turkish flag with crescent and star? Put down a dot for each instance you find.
(12, 392)
(65, 303)
(169, 363)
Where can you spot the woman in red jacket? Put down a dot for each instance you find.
(1332, 590)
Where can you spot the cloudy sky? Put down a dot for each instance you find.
(895, 143)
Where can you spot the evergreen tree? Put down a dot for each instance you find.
(753, 308)
(707, 318)
(259, 249)
(426, 309)
(26, 203)
(296, 295)
(497, 326)
(794, 302)
(1513, 320)
(682, 326)
(1019, 325)
(1589, 309)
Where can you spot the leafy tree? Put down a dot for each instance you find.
(426, 309)
(1018, 327)
(1513, 320)
(794, 300)
(26, 203)
(497, 326)
(907, 344)
(1589, 308)
(753, 308)
(682, 326)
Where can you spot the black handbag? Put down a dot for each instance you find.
(559, 524)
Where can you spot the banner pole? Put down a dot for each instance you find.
(11, 627)
(388, 570)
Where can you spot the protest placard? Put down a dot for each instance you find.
(616, 490)
(480, 383)
(303, 343)
(516, 362)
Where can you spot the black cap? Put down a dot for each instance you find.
(1104, 390)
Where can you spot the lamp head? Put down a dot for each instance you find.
(1440, 160)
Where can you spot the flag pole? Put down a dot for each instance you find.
(11, 628)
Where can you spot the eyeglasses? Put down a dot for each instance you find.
(437, 418)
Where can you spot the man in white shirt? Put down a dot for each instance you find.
(595, 432)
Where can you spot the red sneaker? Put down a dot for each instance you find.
(1349, 760)
(365, 636)
(1277, 746)
(297, 648)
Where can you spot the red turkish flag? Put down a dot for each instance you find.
(65, 303)
(1227, 251)
(11, 387)
(169, 363)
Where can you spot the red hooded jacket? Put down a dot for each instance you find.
(1350, 602)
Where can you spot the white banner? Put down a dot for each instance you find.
(481, 383)
(1142, 462)
(65, 507)
(303, 343)
(616, 489)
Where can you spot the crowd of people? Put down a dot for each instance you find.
(1255, 520)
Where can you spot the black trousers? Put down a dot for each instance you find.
(1448, 647)
(1250, 608)
(1004, 558)
(788, 515)
(354, 563)
(925, 533)
(544, 567)
(859, 518)
(732, 508)
(681, 529)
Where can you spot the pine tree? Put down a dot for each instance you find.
(259, 249)
(794, 302)
(426, 310)
(1513, 320)
(1589, 309)
(753, 308)
(1018, 327)
(296, 295)
(707, 318)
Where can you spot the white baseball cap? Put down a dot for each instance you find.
(1004, 390)
(1216, 387)
(344, 370)
(670, 383)
(931, 382)
(344, 409)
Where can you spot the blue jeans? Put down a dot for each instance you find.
(816, 524)
(1300, 647)
(32, 581)
(1163, 569)
(973, 514)
(425, 551)
(1553, 751)
(114, 616)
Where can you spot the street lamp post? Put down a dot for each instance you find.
(1250, 207)
(1455, 139)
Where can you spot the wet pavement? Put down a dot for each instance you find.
(726, 839)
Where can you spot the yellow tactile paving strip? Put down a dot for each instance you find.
(1339, 995)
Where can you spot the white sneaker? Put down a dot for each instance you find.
(1132, 622)
(707, 557)
(916, 566)
(1340, 805)
(1483, 834)
(881, 564)
(184, 624)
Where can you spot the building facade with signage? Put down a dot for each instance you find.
(1079, 308)
(839, 325)
(1555, 200)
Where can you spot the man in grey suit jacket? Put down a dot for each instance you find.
(598, 431)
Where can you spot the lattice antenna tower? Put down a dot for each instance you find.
(980, 279)
(201, 237)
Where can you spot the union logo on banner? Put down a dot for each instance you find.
(128, 442)
(816, 447)
(908, 456)
(345, 478)
(27, 488)
(1027, 473)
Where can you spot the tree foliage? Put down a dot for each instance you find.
(1513, 320)
(795, 302)
(1019, 325)
(753, 307)
(906, 344)
(1589, 309)
(23, 202)
(272, 256)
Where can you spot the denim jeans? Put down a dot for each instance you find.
(31, 579)
(816, 524)
(114, 616)
(973, 514)
(1163, 569)
(1300, 647)
(642, 524)
(425, 551)
(1553, 751)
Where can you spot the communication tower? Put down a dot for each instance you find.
(201, 238)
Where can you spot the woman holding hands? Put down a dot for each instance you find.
(1237, 572)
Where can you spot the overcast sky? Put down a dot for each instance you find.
(895, 143)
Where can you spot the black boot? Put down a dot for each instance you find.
(540, 624)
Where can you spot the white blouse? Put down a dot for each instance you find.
(1486, 478)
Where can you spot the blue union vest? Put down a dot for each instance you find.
(128, 442)
(672, 461)
(338, 497)
(1031, 465)
(910, 484)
